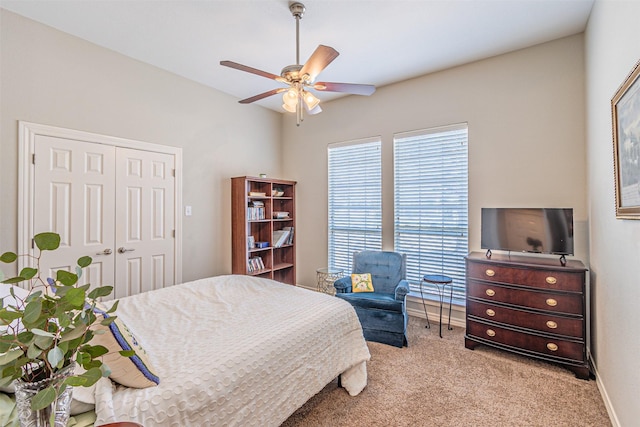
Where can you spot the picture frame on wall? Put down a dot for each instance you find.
(625, 110)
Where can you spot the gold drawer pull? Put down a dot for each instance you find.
(490, 292)
(551, 324)
(553, 347)
(489, 272)
(490, 312)
(551, 280)
(491, 332)
(551, 302)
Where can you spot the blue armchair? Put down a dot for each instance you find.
(382, 313)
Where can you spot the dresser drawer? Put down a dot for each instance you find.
(560, 348)
(541, 279)
(538, 300)
(548, 323)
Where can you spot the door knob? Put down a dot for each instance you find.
(122, 250)
(105, 252)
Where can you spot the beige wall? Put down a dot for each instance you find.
(612, 50)
(52, 78)
(525, 112)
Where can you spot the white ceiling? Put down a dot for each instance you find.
(380, 41)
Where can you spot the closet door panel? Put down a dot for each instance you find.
(145, 200)
(74, 193)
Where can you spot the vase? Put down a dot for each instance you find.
(25, 391)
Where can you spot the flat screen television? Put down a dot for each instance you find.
(537, 230)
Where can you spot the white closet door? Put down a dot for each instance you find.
(74, 190)
(145, 221)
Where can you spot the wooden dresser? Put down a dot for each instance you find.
(528, 305)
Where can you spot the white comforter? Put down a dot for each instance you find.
(235, 350)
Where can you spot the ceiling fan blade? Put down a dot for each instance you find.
(352, 88)
(318, 61)
(251, 70)
(263, 95)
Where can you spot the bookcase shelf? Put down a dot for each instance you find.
(260, 207)
(281, 266)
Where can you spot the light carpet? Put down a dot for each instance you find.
(438, 382)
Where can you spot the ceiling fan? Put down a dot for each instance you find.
(300, 78)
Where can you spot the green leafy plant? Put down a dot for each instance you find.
(50, 328)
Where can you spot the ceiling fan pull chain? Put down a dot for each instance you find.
(301, 108)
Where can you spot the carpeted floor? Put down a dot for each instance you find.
(438, 382)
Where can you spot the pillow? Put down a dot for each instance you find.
(135, 371)
(361, 282)
(83, 398)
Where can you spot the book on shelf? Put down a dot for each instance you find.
(255, 264)
(280, 237)
(289, 240)
(280, 215)
(255, 213)
(283, 237)
(257, 194)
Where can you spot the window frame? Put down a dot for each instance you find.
(368, 233)
(453, 231)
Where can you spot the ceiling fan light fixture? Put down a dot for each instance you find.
(290, 97)
(310, 100)
(314, 110)
(289, 108)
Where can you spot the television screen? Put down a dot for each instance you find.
(538, 230)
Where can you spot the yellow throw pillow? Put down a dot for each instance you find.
(135, 371)
(361, 282)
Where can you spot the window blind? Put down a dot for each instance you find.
(431, 205)
(355, 200)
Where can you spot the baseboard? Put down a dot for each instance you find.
(605, 396)
(416, 308)
(435, 317)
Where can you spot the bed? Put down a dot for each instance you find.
(233, 350)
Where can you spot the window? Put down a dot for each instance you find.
(431, 204)
(355, 200)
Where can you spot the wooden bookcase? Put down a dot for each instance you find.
(255, 204)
